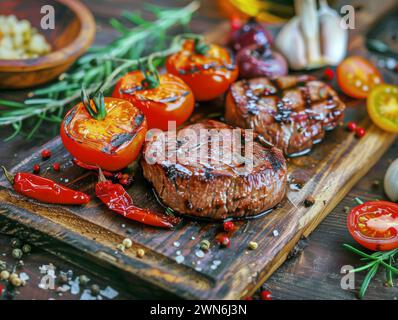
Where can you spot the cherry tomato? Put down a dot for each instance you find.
(209, 75)
(374, 225)
(356, 77)
(172, 100)
(382, 107)
(112, 143)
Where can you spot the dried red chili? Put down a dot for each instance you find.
(44, 190)
(117, 199)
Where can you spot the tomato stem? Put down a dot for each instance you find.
(9, 175)
(99, 110)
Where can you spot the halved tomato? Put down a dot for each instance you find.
(356, 77)
(382, 106)
(374, 225)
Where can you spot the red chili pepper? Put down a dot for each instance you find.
(117, 199)
(46, 154)
(44, 190)
(91, 167)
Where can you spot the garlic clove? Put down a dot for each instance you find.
(391, 181)
(334, 36)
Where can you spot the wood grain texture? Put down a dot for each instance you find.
(226, 279)
(73, 34)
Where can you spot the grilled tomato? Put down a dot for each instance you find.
(382, 106)
(104, 132)
(208, 70)
(356, 77)
(374, 225)
(169, 99)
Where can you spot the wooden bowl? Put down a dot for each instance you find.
(73, 34)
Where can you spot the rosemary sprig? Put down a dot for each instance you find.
(374, 261)
(100, 68)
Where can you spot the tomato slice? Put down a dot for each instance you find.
(374, 225)
(356, 77)
(382, 107)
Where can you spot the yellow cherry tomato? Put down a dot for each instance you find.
(382, 104)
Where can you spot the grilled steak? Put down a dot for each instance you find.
(290, 112)
(212, 170)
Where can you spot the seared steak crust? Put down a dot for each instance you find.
(216, 190)
(290, 112)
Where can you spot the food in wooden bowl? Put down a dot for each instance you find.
(290, 112)
(73, 34)
(220, 181)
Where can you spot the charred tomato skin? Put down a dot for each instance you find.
(112, 143)
(364, 232)
(172, 100)
(208, 75)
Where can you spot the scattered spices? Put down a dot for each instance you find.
(228, 226)
(253, 245)
(46, 154)
(95, 290)
(328, 74)
(205, 245)
(127, 243)
(15, 281)
(199, 253)
(376, 184)
(44, 190)
(120, 247)
(275, 233)
(20, 264)
(223, 241)
(140, 253)
(56, 166)
(4, 275)
(17, 253)
(84, 280)
(180, 259)
(351, 126)
(16, 243)
(26, 248)
(360, 132)
(266, 295)
(36, 168)
(346, 209)
(309, 201)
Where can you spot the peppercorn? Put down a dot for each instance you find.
(84, 280)
(56, 166)
(266, 295)
(140, 253)
(20, 264)
(36, 168)
(360, 132)
(12, 275)
(205, 245)
(228, 226)
(26, 248)
(253, 245)
(328, 74)
(15, 281)
(351, 126)
(4, 275)
(309, 201)
(46, 154)
(17, 253)
(95, 290)
(224, 241)
(16, 243)
(127, 243)
(120, 247)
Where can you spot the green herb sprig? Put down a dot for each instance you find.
(100, 68)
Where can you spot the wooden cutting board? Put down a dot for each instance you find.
(91, 233)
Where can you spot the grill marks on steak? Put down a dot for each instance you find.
(291, 112)
(213, 188)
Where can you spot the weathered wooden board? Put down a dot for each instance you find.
(92, 232)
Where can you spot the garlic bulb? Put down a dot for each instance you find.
(314, 38)
(391, 181)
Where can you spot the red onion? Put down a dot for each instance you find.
(260, 61)
(252, 32)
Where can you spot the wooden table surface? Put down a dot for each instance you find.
(314, 273)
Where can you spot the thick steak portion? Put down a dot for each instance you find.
(212, 170)
(290, 112)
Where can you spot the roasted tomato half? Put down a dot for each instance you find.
(356, 77)
(374, 225)
(171, 100)
(111, 143)
(208, 71)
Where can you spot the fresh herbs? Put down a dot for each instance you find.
(99, 68)
(374, 261)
